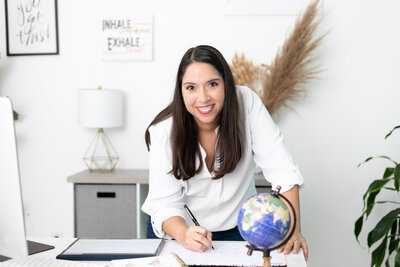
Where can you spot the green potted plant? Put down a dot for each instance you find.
(16, 115)
(387, 230)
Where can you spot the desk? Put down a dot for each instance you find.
(60, 244)
(107, 205)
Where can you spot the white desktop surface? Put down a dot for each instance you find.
(60, 244)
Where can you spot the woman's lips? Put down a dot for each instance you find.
(205, 109)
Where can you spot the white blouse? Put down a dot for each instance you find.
(216, 203)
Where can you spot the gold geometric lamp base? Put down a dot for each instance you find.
(101, 155)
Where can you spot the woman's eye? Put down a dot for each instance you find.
(190, 87)
(212, 84)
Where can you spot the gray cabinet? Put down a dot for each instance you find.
(262, 186)
(107, 205)
(105, 210)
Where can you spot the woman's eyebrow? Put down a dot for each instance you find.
(189, 83)
(212, 80)
(215, 79)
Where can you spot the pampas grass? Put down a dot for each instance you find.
(246, 73)
(284, 79)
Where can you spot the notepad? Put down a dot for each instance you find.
(111, 249)
(225, 253)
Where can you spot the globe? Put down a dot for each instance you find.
(264, 220)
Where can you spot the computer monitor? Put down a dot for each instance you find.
(13, 243)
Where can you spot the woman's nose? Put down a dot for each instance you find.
(203, 94)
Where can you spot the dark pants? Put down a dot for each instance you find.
(228, 235)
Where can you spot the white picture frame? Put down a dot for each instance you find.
(31, 27)
(127, 37)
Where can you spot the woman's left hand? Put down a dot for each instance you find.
(294, 244)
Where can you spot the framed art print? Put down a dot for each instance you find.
(127, 37)
(31, 27)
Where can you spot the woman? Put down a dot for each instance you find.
(203, 150)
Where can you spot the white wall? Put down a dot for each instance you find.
(342, 121)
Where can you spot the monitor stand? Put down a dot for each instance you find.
(33, 248)
(4, 258)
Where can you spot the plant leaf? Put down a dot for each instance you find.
(383, 226)
(387, 201)
(366, 160)
(390, 188)
(376, 185)
(371, 201)
(398, 126)
(382, 157)
(378, 255)
(388, 172)
(397, 259)
(15, 115)
(393, 242)
(358, 226)
(369, 238)
(397, 177)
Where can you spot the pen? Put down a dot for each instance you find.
(192, 217)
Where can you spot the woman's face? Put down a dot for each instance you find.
(203, 91)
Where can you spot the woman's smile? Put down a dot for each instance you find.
(205, 109)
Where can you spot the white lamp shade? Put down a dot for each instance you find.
(100, 108)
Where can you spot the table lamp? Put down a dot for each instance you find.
(100, 108)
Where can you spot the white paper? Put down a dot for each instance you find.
(232, 253)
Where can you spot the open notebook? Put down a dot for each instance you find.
(111, 249)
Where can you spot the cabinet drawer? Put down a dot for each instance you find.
(105, 211)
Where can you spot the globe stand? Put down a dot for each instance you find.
(266, 254)
(267, 251)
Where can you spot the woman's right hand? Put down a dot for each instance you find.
(196, 238)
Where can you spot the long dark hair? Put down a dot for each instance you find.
(184, 133)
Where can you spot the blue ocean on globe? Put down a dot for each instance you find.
(264, 220)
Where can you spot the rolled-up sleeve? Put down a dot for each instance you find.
(269, 150)
(165, 198)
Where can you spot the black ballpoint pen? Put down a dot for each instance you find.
(192, 217)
